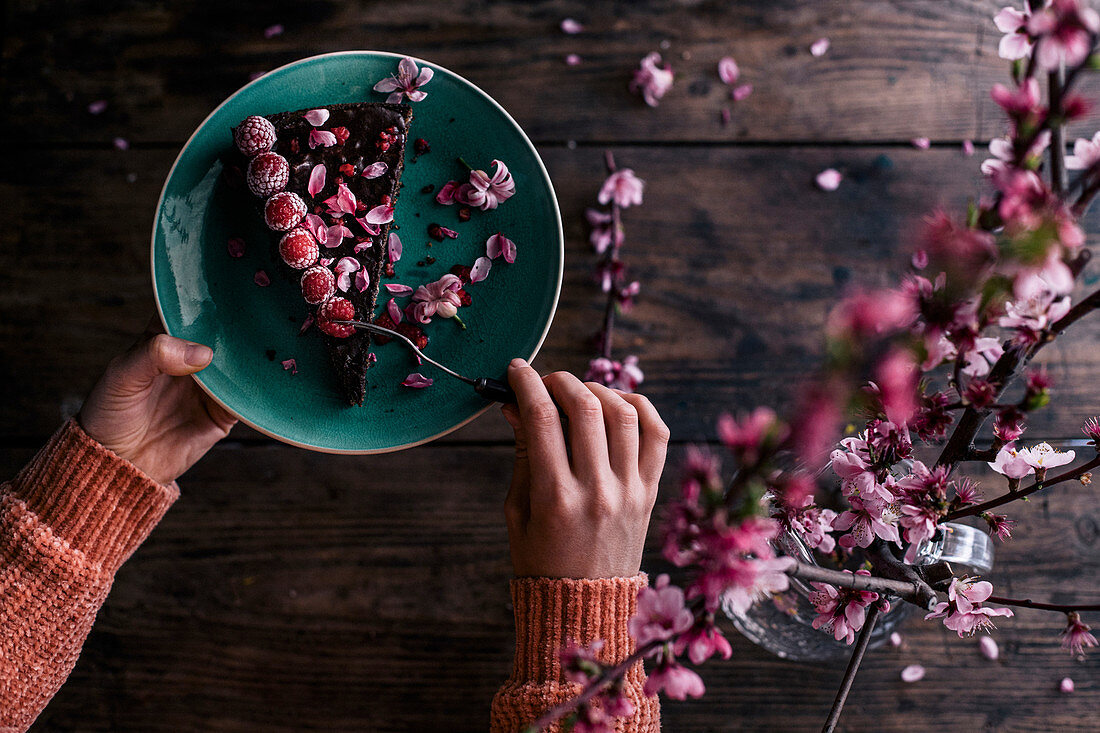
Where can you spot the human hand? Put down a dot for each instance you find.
(148, 410)
(583, 516)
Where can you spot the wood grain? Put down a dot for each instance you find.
(739, 255)
(896, 70)
(287, 591)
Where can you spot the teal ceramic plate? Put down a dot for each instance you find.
(205, 295)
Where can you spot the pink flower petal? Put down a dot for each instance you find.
(416, 380)
(393, 248)
(480, 270)
(895, 639)
(316, 117)
(380, 215)
(571, 27)
(819, 47)
(395, 98)
(97, 107)
(362, 280)
(290, 365)
(448, 233)
(394, 310)
(921, 143)
(372, 229)
(317, 179)
(968, 148)
(343, 281)
(725, 116)
(912, 673)
(446, 195)
(398, 289)
(741, 93)
(828, 179)
(236, 247)
(1066, 685)
(728, 70)
(347, 264)
(572, 60)
(273, 30)
(325, 261)
(324, 138)
(375, 170)
(406, 69)
(361, 246)
(261, 279)
(306, 324)
(121, 143)
(498, 245)
(425, 76)
(389, 84)
(989, 648)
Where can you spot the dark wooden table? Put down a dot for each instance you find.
(278, 595)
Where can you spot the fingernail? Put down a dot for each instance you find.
(517, 364)
(197, 355)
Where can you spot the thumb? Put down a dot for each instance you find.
(162, 354)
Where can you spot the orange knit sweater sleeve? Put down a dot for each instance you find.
(70, 518)
(551, 612)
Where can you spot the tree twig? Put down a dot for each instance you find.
(1028, 603)
(1059, 180)
(985, 506)
(853, 666)
(813, 573)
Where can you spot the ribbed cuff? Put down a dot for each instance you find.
(550, 612)
(90, 497)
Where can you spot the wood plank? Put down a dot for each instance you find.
(738, 254)
(895, 70)
(284, 591)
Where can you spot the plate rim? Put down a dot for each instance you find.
(419, 61)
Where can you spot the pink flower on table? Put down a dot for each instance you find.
(963, 612)
(1076, 636)
(1063, 31)
(622, 187)
(651, 80)
(703, 642)
(745, 435)
(678, 682)
(624, 375)
(828, 179)
(484, 192)
(661, 613)
(439, 298)
(1016, 43)
(912, 673)
(406, 82)
(729, 73)
(1066, 685)
(1086, 153)
(867, 519)
(841, 610)
(1012, 463)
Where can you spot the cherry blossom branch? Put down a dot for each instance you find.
(853, 666)
(903, 589)
(616, 240)
(1059, 181)
(978, 509)
(1028, 603)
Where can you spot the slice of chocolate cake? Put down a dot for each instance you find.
(327, 180)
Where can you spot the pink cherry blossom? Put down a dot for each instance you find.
(439, 298)
(1012, 463)
(1091, 429)
(484, 192)
(841, 610)
(978, 360)
(819, 47)
(480, 270)
(828, 179)
(652, 80)
(406, 83)
(498, 245)
(1043, 456)
(1000, 526)
(1086, 153)
(912, 673)
(375, 170)
(814, 526)
(1064, 31)
(1076, 635)
(867, 519)
(316, 117)
(676, 681)
(622, 187)
(963, 612)
(344, 268)
(989, 648)
(1016, 43)
(416, 380)
(741, 92)
(324, 138)
(1022, 101)
(316, 179)
(624, 375)
(703, 642)
(745, 435)
(661, 613)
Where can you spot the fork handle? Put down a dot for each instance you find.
(495, 390)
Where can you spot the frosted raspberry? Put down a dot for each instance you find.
(267, 174)
(299, 249)
(255, 135)
(284, 210)
(318, 283)
(336, 309)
